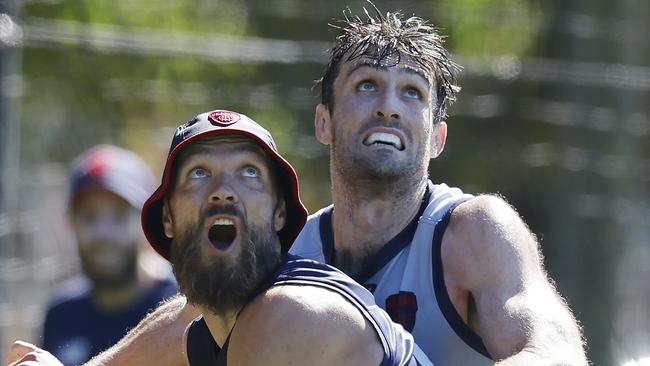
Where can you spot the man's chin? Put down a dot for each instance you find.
(114, 282)
(379, 170)
(218, 288)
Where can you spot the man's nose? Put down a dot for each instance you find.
(388, 106)
(223, 192)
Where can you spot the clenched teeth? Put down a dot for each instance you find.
(384, 138)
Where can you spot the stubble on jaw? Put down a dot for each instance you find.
(368, 177)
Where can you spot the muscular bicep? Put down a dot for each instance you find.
(299, 324)
(516, 307)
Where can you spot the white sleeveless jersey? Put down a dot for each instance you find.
(406, 278)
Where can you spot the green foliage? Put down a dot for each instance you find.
(222, 16)
(114, 94)
(491, 27)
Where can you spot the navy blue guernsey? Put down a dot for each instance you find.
(75, 329)
(399, 347)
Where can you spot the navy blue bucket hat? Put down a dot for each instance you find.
(222, 122)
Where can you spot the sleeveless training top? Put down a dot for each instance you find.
(406, 278)
(398, 345)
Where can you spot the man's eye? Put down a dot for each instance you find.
(366, 86)
(413, 93)
(251, 172)
(198, 173)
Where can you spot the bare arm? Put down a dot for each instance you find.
(157, 337)
(493, 262)
(291, 324)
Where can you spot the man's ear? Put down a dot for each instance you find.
(438, 139)
(280, 215)
(167, 220)
(323, 124)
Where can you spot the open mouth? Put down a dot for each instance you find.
(383, 138)
(222, 233)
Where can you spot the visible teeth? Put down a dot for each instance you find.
(223, 222)
(386, 138)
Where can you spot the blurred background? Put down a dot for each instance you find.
(554, 115)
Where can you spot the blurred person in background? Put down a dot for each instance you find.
(89, 313)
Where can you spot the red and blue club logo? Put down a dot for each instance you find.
(223, 118)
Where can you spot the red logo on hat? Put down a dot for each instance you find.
(223, 118)
(99, 163)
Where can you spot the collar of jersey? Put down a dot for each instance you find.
(385, 254)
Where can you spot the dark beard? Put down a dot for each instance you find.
(225, 283)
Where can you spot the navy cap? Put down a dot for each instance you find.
(221, 122)
(112, 168)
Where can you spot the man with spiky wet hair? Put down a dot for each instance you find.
(385, 39)
(463, 273)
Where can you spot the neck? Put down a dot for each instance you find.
(116, 298)
(367, 216)
(220, 324)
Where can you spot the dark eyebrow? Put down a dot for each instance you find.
(402, 68)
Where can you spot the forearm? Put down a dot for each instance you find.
(535, 358)
(554, 342)
(156, 339)
(533, 327)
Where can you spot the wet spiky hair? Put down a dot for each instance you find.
(385, 39)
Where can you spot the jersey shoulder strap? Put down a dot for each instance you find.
(202, 350)
(442, 199)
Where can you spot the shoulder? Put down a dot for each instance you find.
(292, 323)
(485, 217)
(486, 234)
(308, 244)
(302, 309)
(310, 229)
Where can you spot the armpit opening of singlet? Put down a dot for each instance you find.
(201, 347)
(457, 323)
